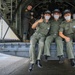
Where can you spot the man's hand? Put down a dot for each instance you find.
(67, 39)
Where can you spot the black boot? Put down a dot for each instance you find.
(46, 58)
(72, 62)
(30, 67)
(39, 63)
(61, 59)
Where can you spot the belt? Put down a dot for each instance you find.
(39, 34)
(69, 34)
(54, 34)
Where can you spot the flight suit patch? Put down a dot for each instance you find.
(73, 26)
(48, 28)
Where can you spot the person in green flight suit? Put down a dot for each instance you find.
(26, 20)
(42, 27)
(67, 31)
(54, 35)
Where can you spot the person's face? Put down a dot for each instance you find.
(47, 16)
(29, 7)
(56, 15)
(67, 16)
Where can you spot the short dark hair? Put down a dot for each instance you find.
(30, 5)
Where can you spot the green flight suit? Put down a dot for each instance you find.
(26, 20)
(54, 30)
(68, 29)
(39, 36)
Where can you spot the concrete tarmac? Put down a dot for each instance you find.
(49, 68)
(12, 65)
(9, 64)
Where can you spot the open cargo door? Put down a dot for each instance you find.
(6, 32)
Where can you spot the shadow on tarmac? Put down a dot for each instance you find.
(52, 67)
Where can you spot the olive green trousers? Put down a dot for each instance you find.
(59, 44)
(32, 52)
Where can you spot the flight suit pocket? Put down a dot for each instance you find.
(67, 28)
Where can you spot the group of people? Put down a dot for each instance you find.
(49, 30)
